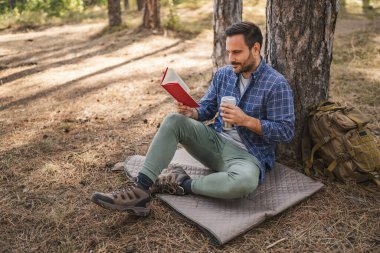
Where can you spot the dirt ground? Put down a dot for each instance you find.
(74, 101)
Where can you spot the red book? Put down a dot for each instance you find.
(176, 87)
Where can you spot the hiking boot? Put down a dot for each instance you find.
(170, 182)
(135, 200)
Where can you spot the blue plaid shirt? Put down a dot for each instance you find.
(268, 97)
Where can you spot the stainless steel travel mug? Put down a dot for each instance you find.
(228, 100)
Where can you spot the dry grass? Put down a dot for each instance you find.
(355, 75)
(88, 102)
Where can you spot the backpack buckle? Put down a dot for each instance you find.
(326, 139)
(342, 157)
(375, 174)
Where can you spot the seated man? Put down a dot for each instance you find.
(263, 116)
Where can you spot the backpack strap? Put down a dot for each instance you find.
(341, 158)
(329, 171)
(358, 122)
(309, 163)
(375, 176)
(326, 106)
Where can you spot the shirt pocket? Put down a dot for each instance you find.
(254, 108)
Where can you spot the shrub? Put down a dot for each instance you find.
(57, 8)
(171, 22)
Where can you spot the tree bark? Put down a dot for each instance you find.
(226, 13)
(12, 4)
(366, 6)
(299, 42)
(151, 18)
(126, 4)
(114, 12)
(140, 4)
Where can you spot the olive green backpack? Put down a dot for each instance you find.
(341, 144)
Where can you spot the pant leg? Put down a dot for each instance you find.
(238, 171)
(238, 178)
(199, 140)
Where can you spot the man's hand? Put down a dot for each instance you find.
(186, 110)
(234, 115)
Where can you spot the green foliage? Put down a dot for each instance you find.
(23, 18)
(26, 19)
(169, 2)
(191, 4)
(52, 8)
(171, 22)
(177, 2)
(63, 7)
(87, 3)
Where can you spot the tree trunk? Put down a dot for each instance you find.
(12, 4)
(140, 4)
(151, 18)
(226, 13)
(299, 42)
(366, 6)
(126, 4)
(114, 12)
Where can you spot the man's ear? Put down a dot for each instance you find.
(256, 49)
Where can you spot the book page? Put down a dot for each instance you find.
(172, 77)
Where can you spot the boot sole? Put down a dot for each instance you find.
(134, 210)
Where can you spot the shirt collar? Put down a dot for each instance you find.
(259, 69)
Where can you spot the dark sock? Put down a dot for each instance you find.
(144, 181)
(186, 185)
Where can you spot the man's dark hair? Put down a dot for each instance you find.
(251, 32)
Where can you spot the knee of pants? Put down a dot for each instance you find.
(173, 120)
(240, 187)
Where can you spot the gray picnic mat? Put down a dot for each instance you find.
(223, 220)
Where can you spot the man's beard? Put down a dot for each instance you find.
(247, 66)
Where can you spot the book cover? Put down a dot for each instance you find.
(177, 88)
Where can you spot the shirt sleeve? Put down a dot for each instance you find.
(279, 123)
(209, 103)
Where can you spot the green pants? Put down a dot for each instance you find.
(236, 171)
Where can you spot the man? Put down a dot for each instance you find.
(263, 116)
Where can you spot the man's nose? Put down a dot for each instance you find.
(231, 58)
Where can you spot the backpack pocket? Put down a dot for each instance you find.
(342, 121)
(362, 145)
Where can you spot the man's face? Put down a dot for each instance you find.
(239, 55)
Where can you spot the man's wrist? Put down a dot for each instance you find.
(194, 115)
(253, 124)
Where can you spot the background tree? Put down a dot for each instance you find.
(342, 4)
(226, 13)
(366, 6)
(12, 4)
(114, 12)
(140, 4)
(299, 42)
(126, 4)
(172, 20)
(151, 18)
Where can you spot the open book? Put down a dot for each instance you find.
(176, 87)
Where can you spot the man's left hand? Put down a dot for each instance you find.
(233, 114)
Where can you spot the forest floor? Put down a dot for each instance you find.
(75, 100)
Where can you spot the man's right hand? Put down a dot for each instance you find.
(186, 110)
